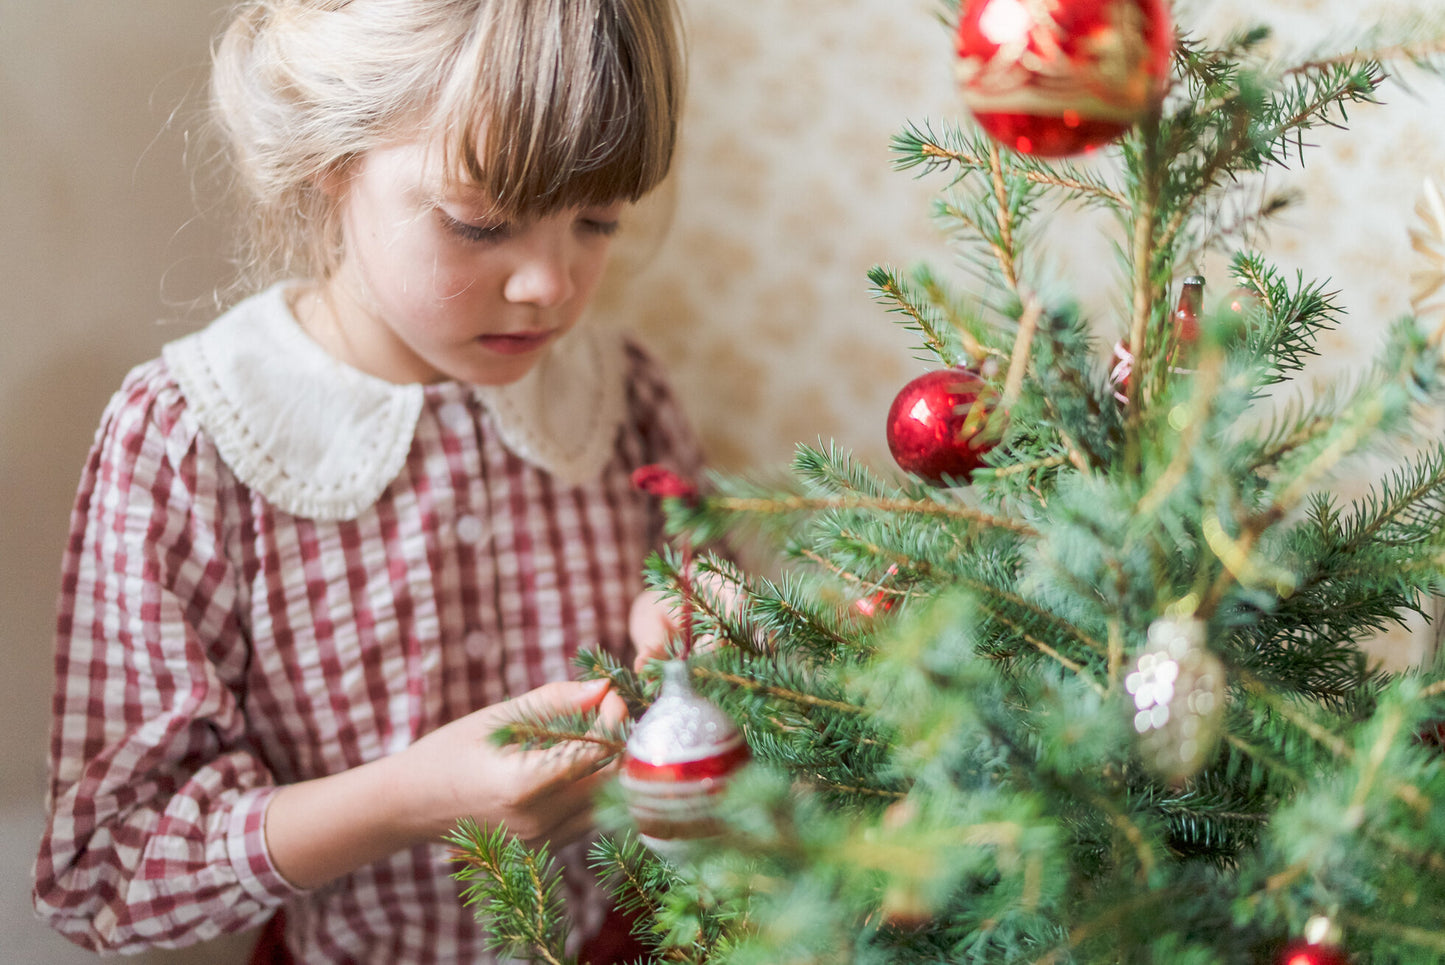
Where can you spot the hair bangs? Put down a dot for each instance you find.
(539, 119)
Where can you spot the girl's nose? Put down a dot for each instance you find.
(542, 273)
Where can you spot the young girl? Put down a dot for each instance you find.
(324, 546)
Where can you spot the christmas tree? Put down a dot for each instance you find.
(1085, 684)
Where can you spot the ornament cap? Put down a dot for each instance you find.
(680, 725)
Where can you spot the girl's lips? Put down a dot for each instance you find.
(515, 344)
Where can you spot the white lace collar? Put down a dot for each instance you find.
(320, 439)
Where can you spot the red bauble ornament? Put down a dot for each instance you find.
(1311, 953)
(1060, 77)
(677, 763)
(874, 604)
(938, 425)
(879, 599)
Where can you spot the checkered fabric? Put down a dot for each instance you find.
(212, 647)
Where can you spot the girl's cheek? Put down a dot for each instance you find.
(452, 282)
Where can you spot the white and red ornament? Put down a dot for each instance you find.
(677, 764)
(1060, 77)
(1179, 691)
(1121, 371)
(940, 425)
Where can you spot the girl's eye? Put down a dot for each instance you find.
(604, 227)
(474, 232)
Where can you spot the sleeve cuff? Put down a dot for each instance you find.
(246, 847)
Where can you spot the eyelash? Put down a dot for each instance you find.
(598, 226)
(478, 233)
(482, 233)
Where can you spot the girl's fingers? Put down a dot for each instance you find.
(560, 696)
(613, 711)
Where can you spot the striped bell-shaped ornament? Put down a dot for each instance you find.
(678, 760)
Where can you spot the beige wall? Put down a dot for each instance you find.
(756, 299)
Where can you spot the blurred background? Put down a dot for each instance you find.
(746, 275)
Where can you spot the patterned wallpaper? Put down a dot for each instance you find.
(784, 197)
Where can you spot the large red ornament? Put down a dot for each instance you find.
(677, 764)
(938, 426)
(1060, 77)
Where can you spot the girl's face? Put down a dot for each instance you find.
(432, 288)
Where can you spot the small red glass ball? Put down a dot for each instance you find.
(1310, 953)
(1064, 77)
(938, 425)
(879, 602)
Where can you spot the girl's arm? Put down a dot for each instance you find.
(156, 797)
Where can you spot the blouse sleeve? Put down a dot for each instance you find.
(156, 802)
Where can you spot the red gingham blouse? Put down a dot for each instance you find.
(212, 646)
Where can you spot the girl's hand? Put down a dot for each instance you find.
(320, 829)
(653, 624)
(539, 795)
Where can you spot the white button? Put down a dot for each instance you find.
(476, 643)
(457, 415)
(470, 530)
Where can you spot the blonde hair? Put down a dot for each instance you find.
(541, 104)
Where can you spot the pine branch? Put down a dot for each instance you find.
(1077, 669)
(596, 664)
(835, 472)
(1292, 318)
(1007, 250)
(535, 732)
(791, 505)
(949, 343)
(517, 891)
(792, 695)
(916, 147)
